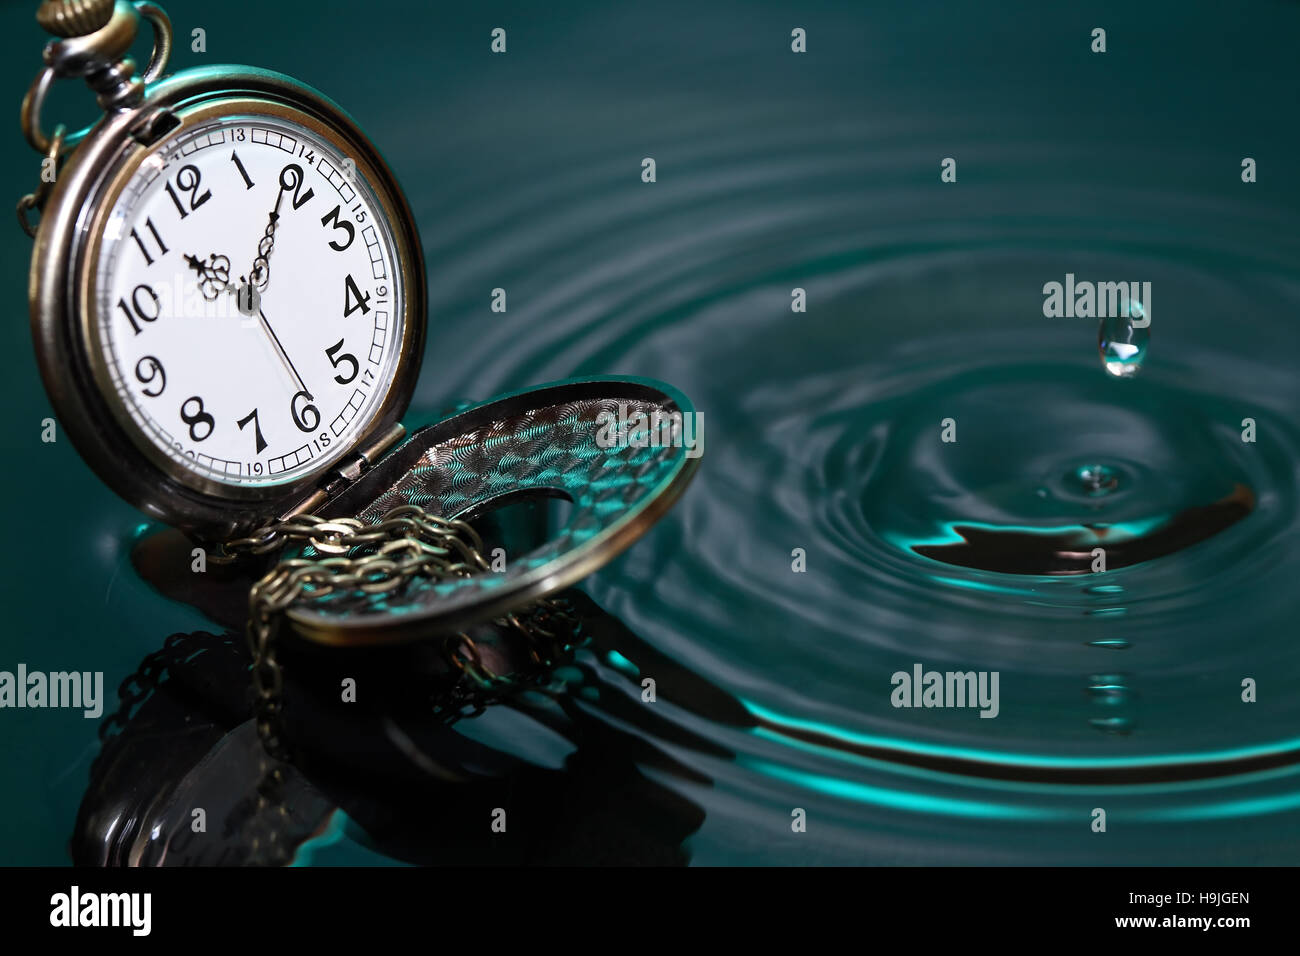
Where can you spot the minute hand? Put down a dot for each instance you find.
(284, 355)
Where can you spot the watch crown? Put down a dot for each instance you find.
(74, 18)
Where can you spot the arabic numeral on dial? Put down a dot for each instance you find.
(351, 293)
(141, 309)
(144, 248)
(308, 417)
(337, 360)
(339, 224)
(257, 429)
(154, 370)
(248, 183)
(197, 419)
(187, 181)
(291, 178)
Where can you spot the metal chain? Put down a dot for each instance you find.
(264, 812)
(144, 680)
(91, 41)
(407, 542)
(36, 200)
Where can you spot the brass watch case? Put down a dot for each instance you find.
(62, 283)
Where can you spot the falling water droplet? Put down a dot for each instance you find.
(1096, 480)
(1122, 345)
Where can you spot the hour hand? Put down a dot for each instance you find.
(213, 273)
(260, 274)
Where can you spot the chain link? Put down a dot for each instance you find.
(264, 815)
(407, 542)
(145, 679)
(86, 46)
(36, 200)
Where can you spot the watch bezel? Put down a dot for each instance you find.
(63, 310)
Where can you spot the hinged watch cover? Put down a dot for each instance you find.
(621, 450)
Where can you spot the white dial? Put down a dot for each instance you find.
(248, 304)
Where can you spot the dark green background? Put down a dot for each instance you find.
(482, 144)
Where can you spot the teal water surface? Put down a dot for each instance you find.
(1119, 689)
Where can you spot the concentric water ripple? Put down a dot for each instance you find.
(1121, 688)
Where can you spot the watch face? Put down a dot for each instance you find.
(248, 307)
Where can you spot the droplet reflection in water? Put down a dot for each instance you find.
(1113, 725)
(1122, 345)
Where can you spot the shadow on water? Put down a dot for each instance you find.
(585, 770)
(396, 763)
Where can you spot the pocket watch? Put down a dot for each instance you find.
(227, 291)
(228, 306)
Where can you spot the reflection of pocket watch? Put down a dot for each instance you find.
(228, 305)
